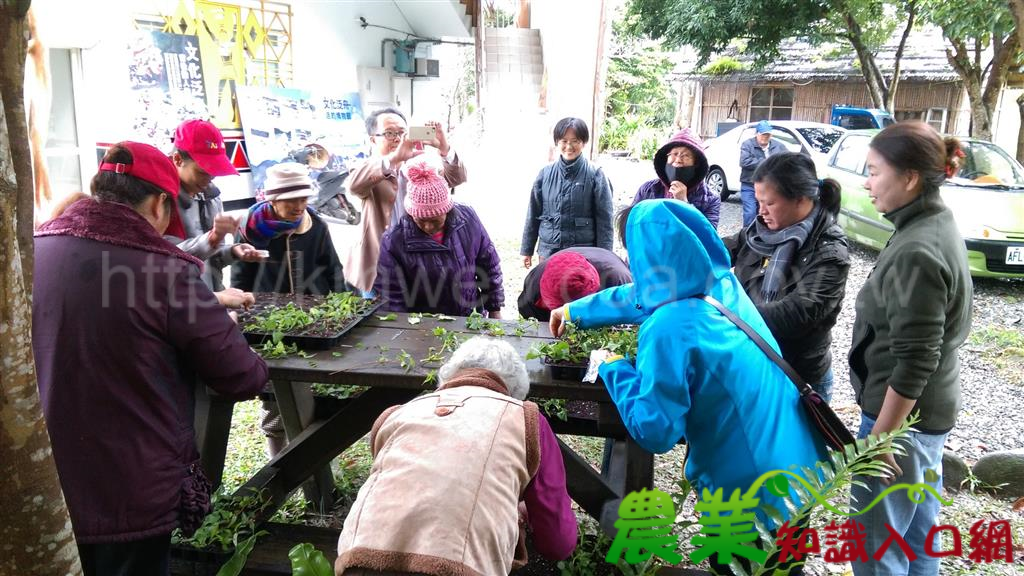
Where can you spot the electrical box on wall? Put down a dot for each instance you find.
(404, 56)
(428, 67)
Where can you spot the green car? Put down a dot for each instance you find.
(986, 197)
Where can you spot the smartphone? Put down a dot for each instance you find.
(422, 133)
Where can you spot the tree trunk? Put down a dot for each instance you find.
(875, 82)
(36, 529)
(971, 75)
(13, 44)
(890, 93)
(1020, 131)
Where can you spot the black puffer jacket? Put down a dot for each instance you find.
(810, 298)
(570, 205)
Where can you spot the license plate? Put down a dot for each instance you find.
(1015, 255)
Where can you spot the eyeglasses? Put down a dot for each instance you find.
(574, 142)
(392, 135)
(687, 155)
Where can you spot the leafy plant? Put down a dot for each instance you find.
(555, 407)
(388, 317)
(588, 557)
(724, 65)
(339, 391)
(308, 561)
(431, 377)
(831, 481)
(231, 524)
(975, 484)
(287, 319)
(576, 345)
(405, 360)
(233, 518)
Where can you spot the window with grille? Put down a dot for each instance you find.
(769, 103)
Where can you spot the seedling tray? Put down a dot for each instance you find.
(320, 335)
(564, 371)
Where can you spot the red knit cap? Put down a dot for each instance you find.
(568, 276)
(426, 191)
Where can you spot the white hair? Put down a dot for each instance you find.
(491, 354)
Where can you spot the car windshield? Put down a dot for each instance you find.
(985, 163)
(821, 139)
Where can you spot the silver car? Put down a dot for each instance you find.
(723, 152)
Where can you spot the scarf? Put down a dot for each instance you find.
(779, 246)
(112, 223)
(262, 226)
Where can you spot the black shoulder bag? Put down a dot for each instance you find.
(832, 429)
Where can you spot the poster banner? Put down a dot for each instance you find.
(167, 84)
(324, 131)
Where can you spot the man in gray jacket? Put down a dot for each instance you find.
(753, 151)
(200, 156)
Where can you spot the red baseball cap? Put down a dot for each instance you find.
(153, 166)
(205, 144)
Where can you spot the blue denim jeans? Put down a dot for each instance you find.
(910, 520)
(749, 203)
(824, 386)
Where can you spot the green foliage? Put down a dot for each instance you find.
(339, 391)
(274, 347)
(980, 20)
(709, 27)
(588, 557)
(554, 407)
(575, 345)
(639, 93)
(308, 561)
(724, 65)
(406, 361)
(231, 524)
(832, 481)
(235, 564)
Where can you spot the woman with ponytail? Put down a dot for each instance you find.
(792, 261)
(438, 258)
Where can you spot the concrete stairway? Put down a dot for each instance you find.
(515, 67)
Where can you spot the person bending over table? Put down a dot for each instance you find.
(696, 375)
(457, 474)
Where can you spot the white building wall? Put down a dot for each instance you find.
(328, 47)
(570, 35)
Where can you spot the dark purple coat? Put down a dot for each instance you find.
(697, 193)
(122, 329)
(415, 273)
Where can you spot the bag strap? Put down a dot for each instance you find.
(803, 387)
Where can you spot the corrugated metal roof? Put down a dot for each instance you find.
(924, 58)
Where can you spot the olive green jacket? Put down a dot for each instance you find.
(913, 314)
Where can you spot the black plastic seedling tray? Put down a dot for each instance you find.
(316, 336)
(571, 372)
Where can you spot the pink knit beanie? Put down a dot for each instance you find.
(426, 192)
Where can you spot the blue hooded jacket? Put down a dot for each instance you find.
(697, 376)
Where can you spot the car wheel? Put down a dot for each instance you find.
(715, 182)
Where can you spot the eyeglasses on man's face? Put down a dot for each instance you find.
(392, 134)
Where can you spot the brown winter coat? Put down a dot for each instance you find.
(379, 188)
(394, 524)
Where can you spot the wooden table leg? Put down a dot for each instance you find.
(213, 426)
(320, 490)
(317, 445)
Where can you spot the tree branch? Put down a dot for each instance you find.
(890, 95)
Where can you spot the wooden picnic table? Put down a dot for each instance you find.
(368, 355)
